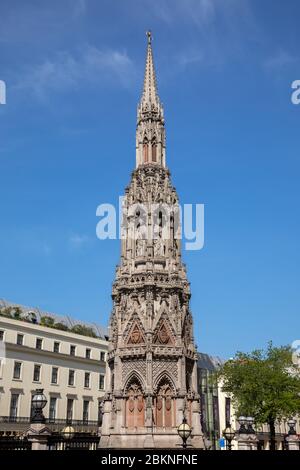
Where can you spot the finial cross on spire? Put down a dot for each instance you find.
(149, 36)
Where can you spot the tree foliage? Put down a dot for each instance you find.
(83, 330)
(264, 384)
(46, 320)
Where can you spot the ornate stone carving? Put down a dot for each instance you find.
(151, 337)
(161, 366)
(134, 365)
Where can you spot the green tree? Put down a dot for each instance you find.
(264, 384)
(83, 330)
(48, 321)
(12, 312)
(60, 326)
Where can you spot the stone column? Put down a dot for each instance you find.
(292, 442)
(38, 435)
(247, 441)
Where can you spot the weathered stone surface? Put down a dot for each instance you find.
(152, 372)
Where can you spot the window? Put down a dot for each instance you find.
(85, 414)
(154, 150)
(145, 151)
(102, 356)
(88, 353)
(17, 370)
(1, 335)
(32, 409)
(36, 373)
(72, 350)
(52, 409)
(87, 379)
(70, 410)
(100, 413)
(20, 339)
(71, 377)
(54, 375)
(13, 412)
(227, 411)
(39, 343)
(215, 404)
(101, 382)
(56, 347)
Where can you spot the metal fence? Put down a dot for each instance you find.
(79, 441)
(10, 441)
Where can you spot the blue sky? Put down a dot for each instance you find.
(74, 71)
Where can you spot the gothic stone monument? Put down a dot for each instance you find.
(151, 380)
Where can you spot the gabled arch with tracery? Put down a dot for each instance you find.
(135, 402)
(164, 402)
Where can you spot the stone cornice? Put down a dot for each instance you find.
(42, 353)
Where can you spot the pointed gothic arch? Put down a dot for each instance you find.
(134, 331)
(145, 150)
(154, 149)
(164, 332)
(164, 402)
(135, 402)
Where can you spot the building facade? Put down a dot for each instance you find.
(152, 360)
(70, 367)
(212, 400)
(218, 412)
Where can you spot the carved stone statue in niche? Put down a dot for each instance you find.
(158, 247)
(172, 265)
(140, 247)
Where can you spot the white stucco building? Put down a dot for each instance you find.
(70, 367)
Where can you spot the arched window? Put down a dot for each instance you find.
(154, 147)
(135, 405)
(165, 406)
(145, 151)
(172, 228)
(160, 223)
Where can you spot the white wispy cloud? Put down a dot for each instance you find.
(67, 71)
(79, 7)
(215, 30)
(192, 56)
(76, 241)
(280, 59)
(200, 12)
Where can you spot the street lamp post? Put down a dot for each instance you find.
(250, 421)
(229, 435)
(291, 424)
(242, 422)
(184, 431)
(246, 435)
(38, 433)
(292, 440)
(39, 402)
(67, 434)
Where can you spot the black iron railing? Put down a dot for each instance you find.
(63, 422)
(14, 419)
(12, 442)
(79, 441)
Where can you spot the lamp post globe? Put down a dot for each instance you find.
(68, 432)
(250, 421)
(229, 435)
(38, 402)
(242, 422)
(291, 424)
(184, 431)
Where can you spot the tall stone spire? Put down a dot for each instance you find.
(151, 378)
(150, 95)
(150, 133)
